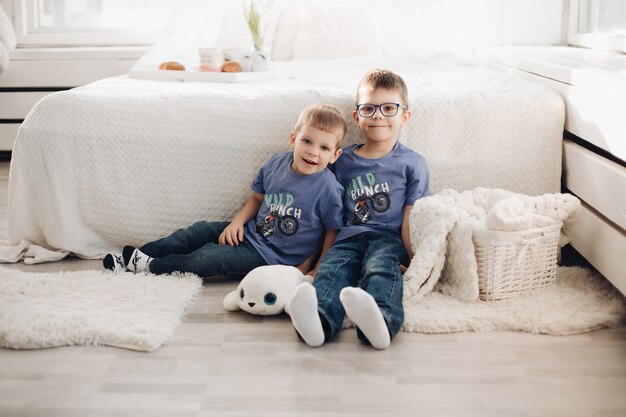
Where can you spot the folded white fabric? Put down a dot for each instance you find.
(441, 228)
(29, 253)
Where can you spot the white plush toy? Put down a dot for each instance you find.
(265, 290)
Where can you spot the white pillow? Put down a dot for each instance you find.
(336, 30)
(234, 31)
(286, 31)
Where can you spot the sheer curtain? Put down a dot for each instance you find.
(602, 16)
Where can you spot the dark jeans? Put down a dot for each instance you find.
(196, 249)
(370, 260)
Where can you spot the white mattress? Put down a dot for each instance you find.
(124, 161)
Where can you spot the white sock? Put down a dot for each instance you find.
(304, 316)
(139, 262)
(362, 309)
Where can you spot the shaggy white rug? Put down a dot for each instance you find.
(580, 301)
(139, 312)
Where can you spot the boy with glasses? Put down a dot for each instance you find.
(295, 197)
(360, 274)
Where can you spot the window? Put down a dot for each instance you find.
(90, 22)
(598, 24)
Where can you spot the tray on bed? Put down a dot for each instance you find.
(208, 77)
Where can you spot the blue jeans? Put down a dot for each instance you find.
(370, 260)
(196, 249)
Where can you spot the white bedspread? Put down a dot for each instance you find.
(125, 161)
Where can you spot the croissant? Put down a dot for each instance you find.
(172, 66)
(231, 66)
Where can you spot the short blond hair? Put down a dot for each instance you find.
(324, 117)
(385, 79)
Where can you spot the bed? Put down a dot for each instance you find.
(125, 161)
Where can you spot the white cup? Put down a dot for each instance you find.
(210, 57)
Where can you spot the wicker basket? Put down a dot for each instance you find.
(510, 263)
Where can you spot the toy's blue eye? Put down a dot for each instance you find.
(270, 298)
(241, 294)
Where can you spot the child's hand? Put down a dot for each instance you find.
(305, 268)
(232, 235)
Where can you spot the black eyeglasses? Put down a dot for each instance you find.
(386, 109)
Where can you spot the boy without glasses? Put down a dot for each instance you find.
(295, 197)
(360, 274)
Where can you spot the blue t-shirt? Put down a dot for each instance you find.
(377, 190)
(295, 211)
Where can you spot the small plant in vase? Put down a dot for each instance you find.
(253, 12)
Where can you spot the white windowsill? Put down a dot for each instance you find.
(586, 68)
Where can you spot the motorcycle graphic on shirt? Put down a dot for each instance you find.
(287, 224)
(379, 202)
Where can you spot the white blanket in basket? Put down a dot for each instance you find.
(125, 161)
(441, 234)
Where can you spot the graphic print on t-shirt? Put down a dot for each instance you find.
(367, 193)
(281, 214)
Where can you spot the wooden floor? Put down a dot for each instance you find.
(235, 364)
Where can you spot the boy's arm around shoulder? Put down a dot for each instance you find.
(233, 233)
(332, 214)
